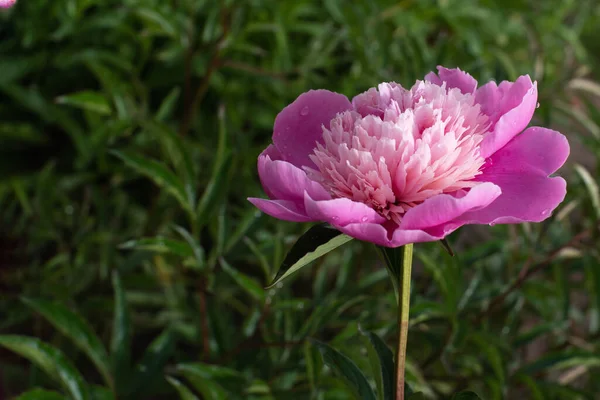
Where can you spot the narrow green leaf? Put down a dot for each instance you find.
(212, 381)
(250, 285)
(182, 390)
(78, 330)
(158, 172)
(591, 186)
(197, 249)
(49, 359)
(159, 245)
(465, 395)
(121, 336)
(87, 100)
(168, 104)
(154, 359)
(41, 394)
(178, 153)
(382, 362)
(347, 370)
(316, 242)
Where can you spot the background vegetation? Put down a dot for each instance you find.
(132, 266)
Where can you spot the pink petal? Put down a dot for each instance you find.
(537, 148)
(443, 208)
(455, 78)
(283, 181)
(378, 234)
(341, 211)
(298, 126)
(281, 209)
(520, 169)
(510, 107)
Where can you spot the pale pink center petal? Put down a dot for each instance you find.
(401, 147)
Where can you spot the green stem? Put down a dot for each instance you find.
(403, 312)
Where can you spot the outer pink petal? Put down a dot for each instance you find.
(510, 107)
(281, 209)
(521, 170)
(455, 78)
(284, 181)
(299, 126)
(444, 208)
(537, 148)
(378, 234)
(340, 212)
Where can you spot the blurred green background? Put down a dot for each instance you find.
(132, 266)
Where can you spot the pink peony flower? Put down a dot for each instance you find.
(398, 166)
(7, 3)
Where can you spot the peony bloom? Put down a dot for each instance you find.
(7, 3)
(398, 166)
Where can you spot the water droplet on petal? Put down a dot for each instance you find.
(538, 105)
(545, 212)
(304, 111)
(364, 219)
(492, 223)
(335, 218)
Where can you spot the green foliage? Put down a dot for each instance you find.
(130, 132)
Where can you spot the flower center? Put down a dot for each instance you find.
(400, 147)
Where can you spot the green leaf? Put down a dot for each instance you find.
(250, 285)
(121, 336)
(212, 381)
(591, 186)
(465, 395)
(149, 370)
(347, 370)
(158, 172)
(182, 390)
(159, 245)
(87, 100)
(49, 359)
(41, 394)
(78, 330)
(417, 396)
(316, 242)
(382, 362)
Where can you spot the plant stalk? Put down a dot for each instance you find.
(403, 313)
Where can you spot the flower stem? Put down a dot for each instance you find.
(403, 312)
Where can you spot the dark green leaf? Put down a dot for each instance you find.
(382, 362)
(347, 370)
(121, 336)
(87, 100)
(41, 394)
(250, 285)
(159, 245)
(159, 173)
(466, 395)
(316, 242)
(182, 390)
(78, 330)
(49, 359)
(149, 370)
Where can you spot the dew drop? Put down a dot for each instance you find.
(537, 105)
(335, 218)
(304, 111)
(364, 219)
(492, 223)
(545, 212)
